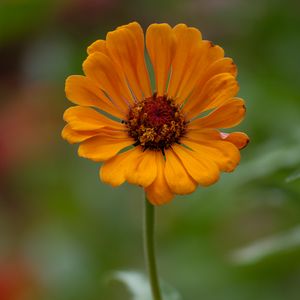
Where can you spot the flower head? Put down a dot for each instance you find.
(166, 139)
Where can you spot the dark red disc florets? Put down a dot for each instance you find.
(156, 123)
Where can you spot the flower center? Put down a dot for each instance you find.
(156, 123)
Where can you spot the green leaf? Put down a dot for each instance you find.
(293, 177)
(138, 286)
(270, 161)
(263, 248)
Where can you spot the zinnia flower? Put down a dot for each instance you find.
(165, 139)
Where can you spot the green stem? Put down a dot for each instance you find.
(149, 220)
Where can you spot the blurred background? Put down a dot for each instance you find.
(63, 233)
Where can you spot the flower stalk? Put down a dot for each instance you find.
(149, 249)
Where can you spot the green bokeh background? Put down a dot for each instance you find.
(70, 231)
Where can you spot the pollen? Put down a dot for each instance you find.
(156, 123)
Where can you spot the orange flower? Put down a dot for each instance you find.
(164, 141)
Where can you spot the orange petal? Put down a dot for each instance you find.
(114, 170)
(214, 53)
(110, 79)
(83, 91)
(73, 136)
(126, 46)
(103, 147)
(226, 116)
(185, 64)
(208, 55)
(223, 65)
(160, 42)
(195, 69)
(215, 92)
(223, 153)
(202, 133)
(145, 169)
(202, 170)
(176, 175)
(159, 192)
(85, 118)
(97, 46)
(239, 139)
